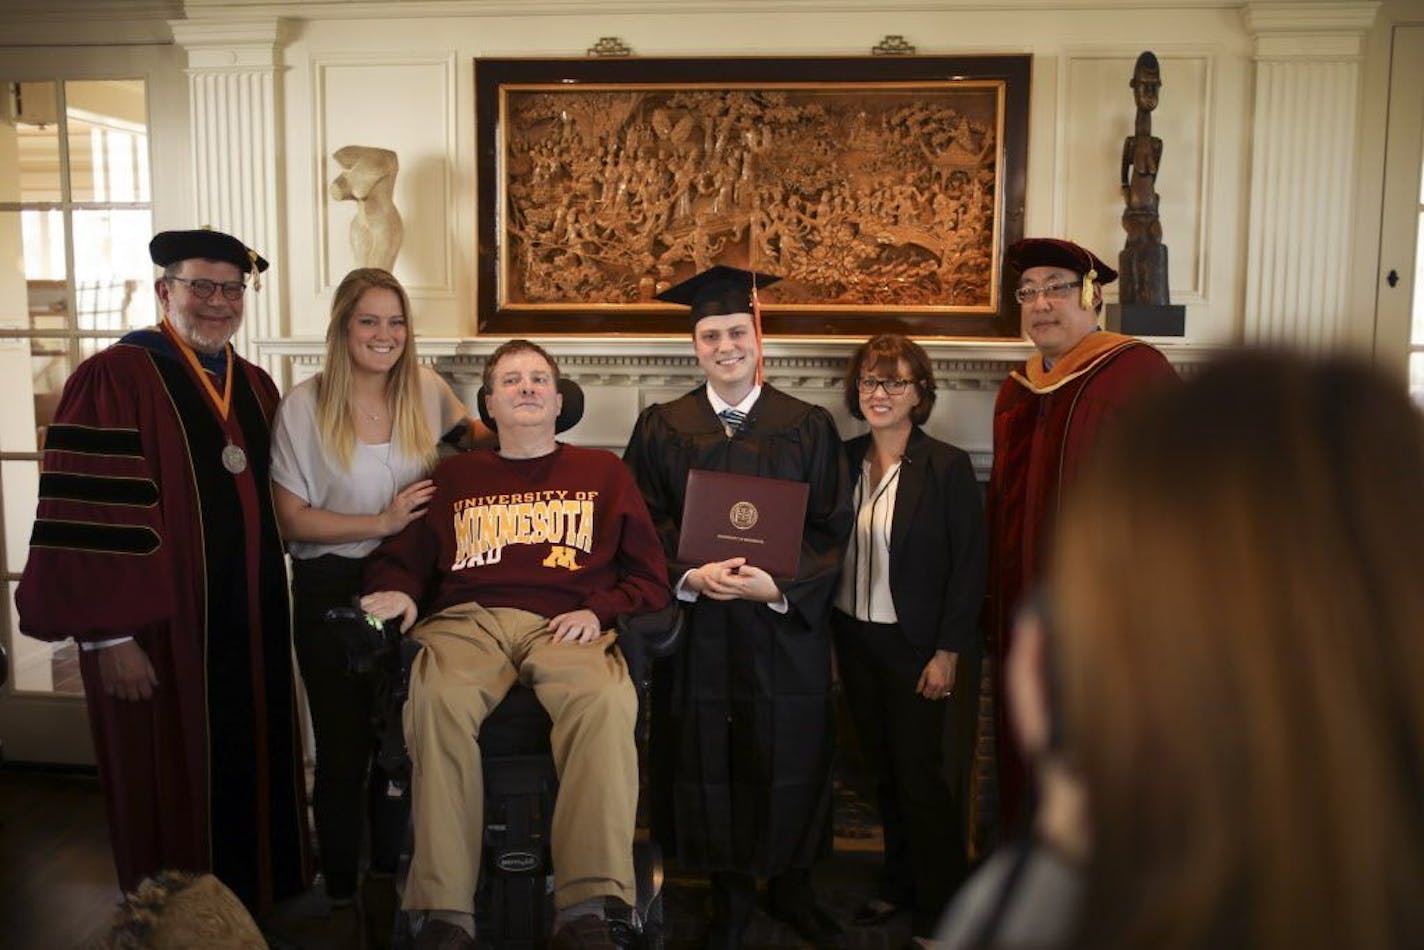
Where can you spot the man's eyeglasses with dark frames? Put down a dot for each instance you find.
(1051, 291)
(892, 387)
(202, 288)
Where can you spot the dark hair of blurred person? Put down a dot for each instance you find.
(1239, 640)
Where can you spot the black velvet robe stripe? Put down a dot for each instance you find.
(742, 726)
(206, 775)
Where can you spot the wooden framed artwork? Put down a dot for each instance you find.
(883, 190)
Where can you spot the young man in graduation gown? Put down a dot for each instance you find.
(746, 702)
(1047, 416)
(155, 546)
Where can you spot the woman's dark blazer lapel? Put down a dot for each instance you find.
(914, 479)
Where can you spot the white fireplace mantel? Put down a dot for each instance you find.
(621, 376)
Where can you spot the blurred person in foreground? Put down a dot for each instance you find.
(1231, 750)
(906, 625)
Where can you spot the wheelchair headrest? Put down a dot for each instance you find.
(569, 415)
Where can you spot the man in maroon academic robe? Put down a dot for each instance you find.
(156, 548)
(1046, 418)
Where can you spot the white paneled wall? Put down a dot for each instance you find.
(403, 101)
(1101, 116)
(1257, 112)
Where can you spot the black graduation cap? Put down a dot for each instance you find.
(169, 247)
(717, 291)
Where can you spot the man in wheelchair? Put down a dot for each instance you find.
(523, 559)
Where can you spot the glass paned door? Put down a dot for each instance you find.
(75, 220)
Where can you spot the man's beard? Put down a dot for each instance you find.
(199, 336)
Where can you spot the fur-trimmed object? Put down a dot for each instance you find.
(176, 910)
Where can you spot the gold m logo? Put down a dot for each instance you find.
(561, 556)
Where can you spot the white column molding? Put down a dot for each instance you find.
(234, 87)
(1304, 136)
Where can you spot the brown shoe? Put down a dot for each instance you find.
(588, 932)
(441, 935)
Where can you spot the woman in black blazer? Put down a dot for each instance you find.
(907, 626)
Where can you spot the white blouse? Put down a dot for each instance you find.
(302, 466)
(865, 573)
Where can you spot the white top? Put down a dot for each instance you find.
(865, 573)
(301, 465)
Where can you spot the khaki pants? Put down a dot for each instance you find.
(471, 658)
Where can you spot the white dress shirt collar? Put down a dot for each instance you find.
(718, 403)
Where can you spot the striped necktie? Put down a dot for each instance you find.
(733, 419)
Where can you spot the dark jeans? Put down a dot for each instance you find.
(920, 752)
(341, 703)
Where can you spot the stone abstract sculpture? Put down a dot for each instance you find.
(368, 177)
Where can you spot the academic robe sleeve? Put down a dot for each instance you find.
(643, 456)
(1134, 373)
(97, 568)
(829, 516)
(642, 570)
(968, 559)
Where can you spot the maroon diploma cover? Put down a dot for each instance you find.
(727, 515)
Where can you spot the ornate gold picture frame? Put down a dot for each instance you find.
(883, 190)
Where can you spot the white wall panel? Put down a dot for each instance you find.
(403, 102)
(1098, 113)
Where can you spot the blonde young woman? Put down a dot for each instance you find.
(351, 449)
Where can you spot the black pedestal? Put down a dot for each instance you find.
(1148, 319)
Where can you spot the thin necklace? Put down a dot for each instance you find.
(373, 416)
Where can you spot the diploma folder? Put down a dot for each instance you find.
(760, 519)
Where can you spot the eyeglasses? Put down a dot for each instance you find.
(1051, 291)
(892, 387)
(203, 288)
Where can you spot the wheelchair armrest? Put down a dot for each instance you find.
(365, 640)
(645, 637)
(377, 649)
(659, 632)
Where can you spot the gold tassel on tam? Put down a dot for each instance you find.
(1085, 294)
(256, 274)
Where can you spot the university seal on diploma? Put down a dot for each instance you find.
(760, 519)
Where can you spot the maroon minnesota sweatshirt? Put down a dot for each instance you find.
(565, 531)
